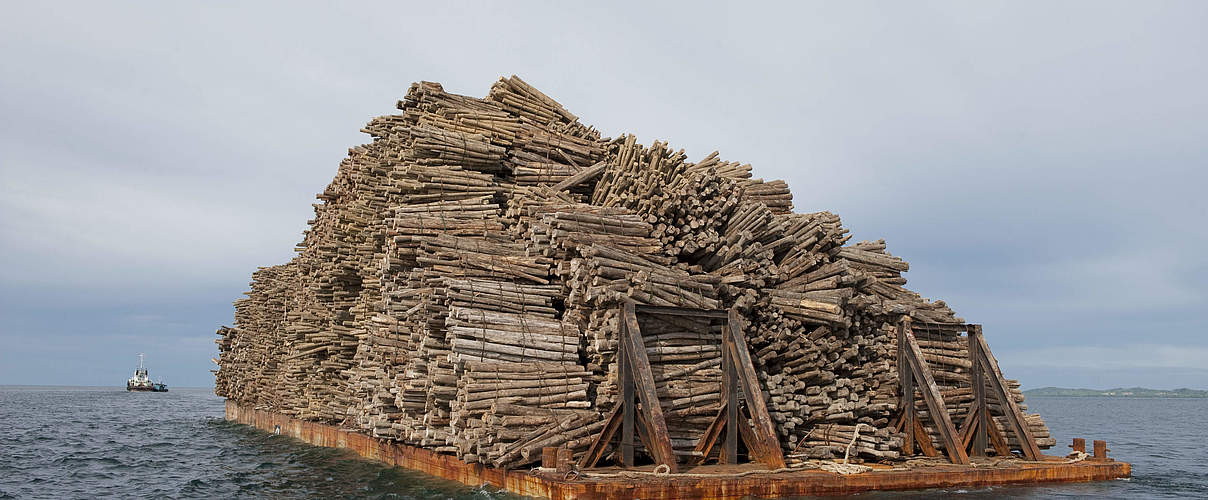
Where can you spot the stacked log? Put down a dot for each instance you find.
(252, 354)
(830, 440)
(774, 195)
(459, 285)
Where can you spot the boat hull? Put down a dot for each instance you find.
(130, 388)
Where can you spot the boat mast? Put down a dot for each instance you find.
(140, 361)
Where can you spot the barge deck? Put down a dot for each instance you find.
(720, 482)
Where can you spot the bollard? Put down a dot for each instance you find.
(1079, 445)
(549, 457)
(1101, 449)
(566, 460)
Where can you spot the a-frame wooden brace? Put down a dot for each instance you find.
(755, 424)
(912, 370)
(636, 379)
(979, 426)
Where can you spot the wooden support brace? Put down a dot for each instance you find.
(625, 379)
(705, 446)
(979, 411)
(924, 440)
(931, 393)
(730, 396)
(765, 433)
(1015, 421)
(996, 438)
(906, 381)
(596, 451)
(643, 381)
(748, 436)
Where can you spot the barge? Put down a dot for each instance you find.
(491, 285)
(708, 481)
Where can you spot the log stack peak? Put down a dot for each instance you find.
(458, 288)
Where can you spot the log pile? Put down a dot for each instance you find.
(459, 285)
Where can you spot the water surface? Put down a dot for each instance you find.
(66, 443)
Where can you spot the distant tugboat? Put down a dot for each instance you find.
(141, 382)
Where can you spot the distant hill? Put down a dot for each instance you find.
(1133, 392)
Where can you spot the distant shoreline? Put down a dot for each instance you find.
(1119, 392)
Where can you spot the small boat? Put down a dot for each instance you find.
(141, 382)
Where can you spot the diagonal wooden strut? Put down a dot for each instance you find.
(596, 451)
(707, 440)
(764, 446)
(638, 368)
(636, 382)
(986, 372)
(913, 369)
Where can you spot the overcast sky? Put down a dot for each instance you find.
(1040, 165)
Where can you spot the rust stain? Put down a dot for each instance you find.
(725, 485)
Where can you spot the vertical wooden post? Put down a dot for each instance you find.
(906, 381)
(765, 445)
(565, 460)
(643, 384)
(549, 457)
(625, 379)
(931, 395)
(1014, 417)
(982, 421)
(730, 391)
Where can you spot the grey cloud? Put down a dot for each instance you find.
(1040, 165)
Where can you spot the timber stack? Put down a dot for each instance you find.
(459, 287)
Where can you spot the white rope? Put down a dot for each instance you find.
(846, 468)
(656, 472)
(1078, 456)
(854, 436)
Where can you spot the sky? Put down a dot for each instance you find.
(1041, 165)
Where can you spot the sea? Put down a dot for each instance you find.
(87, 442)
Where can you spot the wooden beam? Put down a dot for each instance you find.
(1015, 421)
(745, 369)
(581, 176)
(906, 381)
(931, 394)
(643, 381)
(730, 396)
(747, 434)
(625, 378)
(996, 438)
(924, 439)
(596, 451)
(643, 430)
(705, 446)
(979, 395)
(681, 311)
(965, 431)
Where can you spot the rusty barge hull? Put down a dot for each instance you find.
(721, 485)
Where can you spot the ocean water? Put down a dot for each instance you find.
(67, 443)
(1163, 439)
